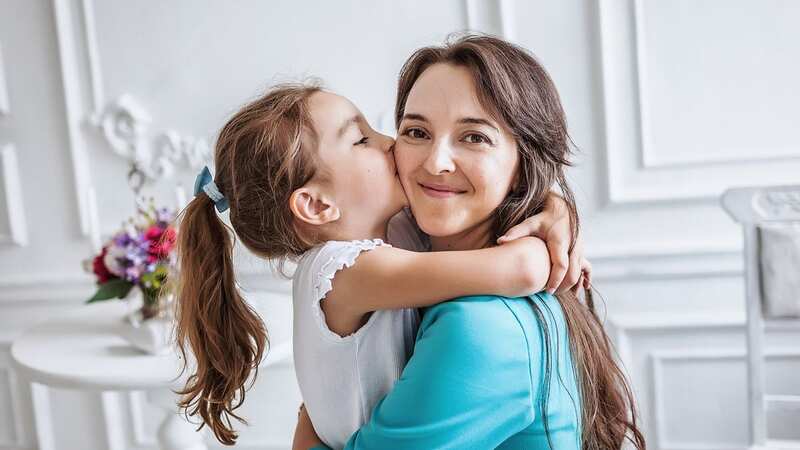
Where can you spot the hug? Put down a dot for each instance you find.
(441, 298)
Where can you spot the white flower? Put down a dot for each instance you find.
(111, 260)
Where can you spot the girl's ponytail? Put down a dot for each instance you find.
(225, 336)
(263, 154)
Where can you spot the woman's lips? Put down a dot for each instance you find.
(439, 191)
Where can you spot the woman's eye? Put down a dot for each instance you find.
(474, 138)
(362, 141)
(415, 133)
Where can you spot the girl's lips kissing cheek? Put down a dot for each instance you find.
(439, 190)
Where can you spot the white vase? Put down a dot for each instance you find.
(154, 335)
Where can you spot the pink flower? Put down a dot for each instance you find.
(161, 241)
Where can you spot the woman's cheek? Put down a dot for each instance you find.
(405, 167)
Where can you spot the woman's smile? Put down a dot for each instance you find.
(436, 190)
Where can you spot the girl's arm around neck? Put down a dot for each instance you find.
(391, 278)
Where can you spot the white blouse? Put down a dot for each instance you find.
(342, 378)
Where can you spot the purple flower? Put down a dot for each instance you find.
(122, 239)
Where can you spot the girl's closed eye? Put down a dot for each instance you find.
(362, 141)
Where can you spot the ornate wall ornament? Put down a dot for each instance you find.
(125, 125)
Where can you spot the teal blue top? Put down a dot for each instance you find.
(477, 379)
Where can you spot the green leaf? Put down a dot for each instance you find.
(116, 288)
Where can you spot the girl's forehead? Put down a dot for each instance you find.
(330, 112)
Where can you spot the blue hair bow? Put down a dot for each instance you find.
(205, 183)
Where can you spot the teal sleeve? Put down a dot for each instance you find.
(467, 385)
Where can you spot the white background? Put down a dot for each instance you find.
(669, 101)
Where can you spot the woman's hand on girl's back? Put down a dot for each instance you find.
(569, 269)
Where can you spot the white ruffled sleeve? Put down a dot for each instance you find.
(331, 258)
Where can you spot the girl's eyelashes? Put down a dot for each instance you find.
(362, 141)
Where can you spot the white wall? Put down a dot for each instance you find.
(669, 103)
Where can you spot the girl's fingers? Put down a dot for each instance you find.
(574, 272)
(559, 263)
(581, 282)
(587, 270)
(526, 228)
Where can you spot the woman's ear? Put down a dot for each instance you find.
(310, 205)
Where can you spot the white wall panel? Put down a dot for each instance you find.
(748, 113)
(658, 146)
(668, 102)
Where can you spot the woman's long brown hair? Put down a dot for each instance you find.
(517, 91)
(261, 157)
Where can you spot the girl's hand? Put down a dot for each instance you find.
(569, 270)
(304, 435)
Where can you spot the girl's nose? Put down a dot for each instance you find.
(386, 142)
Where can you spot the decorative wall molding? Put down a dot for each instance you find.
(635, 173)
(651, 159)
(124, 124)
(15, 210)
(5, 108)
(657, 361)
(70, 33)
(666, 263)
(645, 341)
(60, 289)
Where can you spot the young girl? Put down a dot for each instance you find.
(307, 179)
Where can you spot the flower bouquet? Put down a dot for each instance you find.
(139, 256)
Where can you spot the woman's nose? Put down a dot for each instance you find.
(440, 159)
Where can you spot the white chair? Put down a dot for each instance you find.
(755, 208)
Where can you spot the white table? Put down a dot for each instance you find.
(84, 351)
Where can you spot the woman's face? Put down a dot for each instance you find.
(456, 162)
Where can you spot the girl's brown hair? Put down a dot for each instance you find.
(517, 91)
(261, 156)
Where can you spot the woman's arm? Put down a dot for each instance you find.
(468, 383)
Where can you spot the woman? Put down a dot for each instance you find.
(481, 139)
